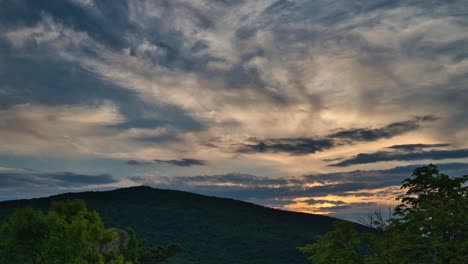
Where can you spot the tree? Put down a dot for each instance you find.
(136, 251)
(429, 226)
(433, 216)
(75, 234)
(71, 234)
(24, 237)
(340, 246)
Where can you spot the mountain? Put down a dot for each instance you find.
(210, 230)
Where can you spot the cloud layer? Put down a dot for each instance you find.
(268, 88)
(342, 194)
(301, 146)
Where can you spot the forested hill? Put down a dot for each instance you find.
(210, 230)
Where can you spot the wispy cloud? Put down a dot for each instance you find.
(23, 180)
(303, 146)
(136, 162)
(411, 147)
(297, 146)
(183, 162)
(181, 76)
(186, 162)
(389, 131)
(364, 158)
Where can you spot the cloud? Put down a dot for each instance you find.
(63, 130)
(268, 67)
(81, 180)
(329, 193)
(357, 191)
(342, 194)
(136, 162)
(412, 147)
(295, 146)
(179, 163)
(303, 146)
(22, 184)
(183, 162)
(53, 180)
(246, 187)
(74, 69)
(316, 201)
(227, 180)
(364, 158)
(389, 131)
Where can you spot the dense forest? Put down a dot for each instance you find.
(208, 229)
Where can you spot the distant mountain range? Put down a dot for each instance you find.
(210, 230)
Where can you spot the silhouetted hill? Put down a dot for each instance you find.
(211, 230)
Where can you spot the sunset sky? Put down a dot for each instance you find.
(315, 106)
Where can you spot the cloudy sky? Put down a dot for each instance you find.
(316, 106)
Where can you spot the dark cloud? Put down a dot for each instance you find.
(315, 201)
(257, 188)
(183, 162)
(303, 146)
(365, 158)
(333, 159)
(136, 162)
(80, 179)
(179, 163)
(52, 180)
(389, 131)
(234, 179)
(412, 147)
(294, 146)
(133, 162)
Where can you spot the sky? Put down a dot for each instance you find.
(312, 106)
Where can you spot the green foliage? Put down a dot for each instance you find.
(70, 234)
(340, 246)
(429, 226)
(136, 251)
(23, 238)
(75, 234)
(131, 251)
(433, 217)
(119, 260)
(157, 255)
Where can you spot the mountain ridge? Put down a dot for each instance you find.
(209, 229)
